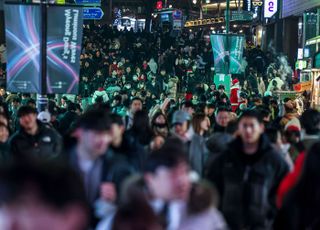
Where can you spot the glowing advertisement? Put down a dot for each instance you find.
(227, 53)
(23, 37)
(23, 34)
(64, 37)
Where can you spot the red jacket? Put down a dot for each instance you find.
(290, 180)
(234, 98)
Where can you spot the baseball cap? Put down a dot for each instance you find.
(44, 117)
(180, 117)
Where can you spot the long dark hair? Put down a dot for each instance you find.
(155, 127)
(141, 127)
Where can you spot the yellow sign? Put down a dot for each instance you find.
(62, 2)
(303, 86)
(203, 22)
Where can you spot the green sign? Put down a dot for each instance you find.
(241, 16)
(227, 53)
(223, 79)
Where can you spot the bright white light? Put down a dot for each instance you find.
(224, 31)
(170, 6)
(241, 31)
(207, 1)
(194, 1)
(235, 26)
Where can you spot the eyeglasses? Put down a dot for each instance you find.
(257, 3)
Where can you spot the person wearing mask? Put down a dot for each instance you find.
(198, 152)
(136, 104)
(247, 176)
(34, 139)
(159, 124)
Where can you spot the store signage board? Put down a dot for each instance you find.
(270, 8)
(92, 13)
(88, 2)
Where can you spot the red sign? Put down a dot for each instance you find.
(159, 5)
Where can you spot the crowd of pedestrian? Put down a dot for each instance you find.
(145, 145)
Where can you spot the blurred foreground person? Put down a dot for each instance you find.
(247, 175)
(301, 208)
(167, 186)
(101, 174)
(136, 215)
(41, 197)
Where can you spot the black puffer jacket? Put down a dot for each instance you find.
(247, 184)
(46, 144)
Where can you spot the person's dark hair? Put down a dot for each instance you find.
(135, 215)
(25, 110)
(196, 121)
(94, 119)
(211, 106)
(264, 111)
(53, 183)
(141, 127)
(187, 104)
(251, 114)
(222, 109)
(26, 95)
(16, 99)
(286, 100)
(71, 106)
(202, 196)
(156, 115)
(172, 153)
(221, 87)
(136, 99)
(232, 127)
(272, 134)
(310, 121)
(201, 107)
(116, 119)
(118, 98)
(31, 101)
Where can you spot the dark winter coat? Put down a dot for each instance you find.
(248, 184)
(46, 144)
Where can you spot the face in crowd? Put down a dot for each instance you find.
(136, 105)
(250, 130)
(170, 183)
(223, 118)
(28, 121)
(95, 142)
(181, 128)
